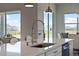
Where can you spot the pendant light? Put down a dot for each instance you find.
(48, 9)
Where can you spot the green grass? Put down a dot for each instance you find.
(15, 34)
(50, 34)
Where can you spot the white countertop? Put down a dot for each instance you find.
(20, 48)
(10, 50)
(32, 51)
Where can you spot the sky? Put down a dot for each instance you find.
(70, 18)
(46, 18)
(13, 19)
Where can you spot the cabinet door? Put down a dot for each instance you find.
(71, 48)
(56, 51)
(41, 54)
(59, 54)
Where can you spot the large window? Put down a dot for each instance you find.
(71, 23)
(48, 24)
(10, 23)
(13, 23)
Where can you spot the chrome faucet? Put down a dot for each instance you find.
(39, 33)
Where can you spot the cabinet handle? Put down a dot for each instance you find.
(55, 51)
(45, 54)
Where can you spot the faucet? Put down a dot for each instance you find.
(39, 33)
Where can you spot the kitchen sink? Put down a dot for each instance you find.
(43, 45)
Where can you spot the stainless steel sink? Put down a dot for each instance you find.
(43, 45)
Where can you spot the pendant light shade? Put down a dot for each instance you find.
(48, 10)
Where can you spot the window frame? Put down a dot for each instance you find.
(77, 28)
(48, 23)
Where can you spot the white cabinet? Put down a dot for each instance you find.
(75, 41)
(71, 48)
(55, 52)
(52, 52)
(42, 54)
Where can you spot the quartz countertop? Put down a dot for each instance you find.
(33, 51)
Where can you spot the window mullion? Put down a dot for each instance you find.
(77, 24)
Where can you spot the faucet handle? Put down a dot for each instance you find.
(27, 43)
(39, 33)
(44, 36)
(25, 39)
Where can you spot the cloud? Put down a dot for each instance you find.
(70, 20)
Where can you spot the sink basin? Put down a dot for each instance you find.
(42, 45)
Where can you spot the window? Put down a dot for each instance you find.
(13, 23)
(48, 27)
(71, 23)
(10, 23)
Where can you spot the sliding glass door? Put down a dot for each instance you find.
(13, 23)
(10, 23)
(49, 27)
(13, 27)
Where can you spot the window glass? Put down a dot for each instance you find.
(13, 23)
(71, 23)
(48, 24)
(70, 18)
(71, 28)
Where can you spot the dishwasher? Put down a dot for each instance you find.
(65, 49)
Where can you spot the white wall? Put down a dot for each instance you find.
(60, 10)
(42, 7)
(27, 16)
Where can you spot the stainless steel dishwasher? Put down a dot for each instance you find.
(65, 49)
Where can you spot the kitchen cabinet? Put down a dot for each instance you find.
(75, 41)
(55, 52)
(52, 52)
(71, 48)
(43, 54)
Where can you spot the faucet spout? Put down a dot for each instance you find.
(33, 29)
